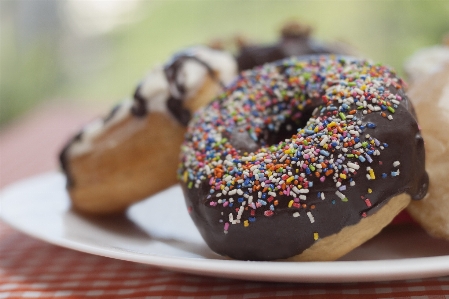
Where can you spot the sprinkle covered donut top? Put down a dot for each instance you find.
(300, 138)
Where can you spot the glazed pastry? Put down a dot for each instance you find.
(128, 155)
(431, 99)
(424, 63)
(116, 161)
(305, 158)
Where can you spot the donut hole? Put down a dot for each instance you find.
(244, 142)
(289, 128)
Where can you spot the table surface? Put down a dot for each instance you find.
(30, 268)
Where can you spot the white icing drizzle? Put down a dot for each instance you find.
(191, 75)
(155, 89)
(95, 128)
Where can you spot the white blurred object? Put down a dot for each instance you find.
(427, 61)
(92, 17)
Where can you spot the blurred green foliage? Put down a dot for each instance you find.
(26, 79)
(386, 31)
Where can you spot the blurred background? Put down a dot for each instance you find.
(96, 51)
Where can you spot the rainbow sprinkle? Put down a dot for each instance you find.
(334, 144)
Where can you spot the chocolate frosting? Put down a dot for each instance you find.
(252, 56)
(281, 233)
(295, 40)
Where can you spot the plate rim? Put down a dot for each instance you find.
(279, 271)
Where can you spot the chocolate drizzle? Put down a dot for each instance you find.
(64, 159)
(139, 107)
(281, 235)
(178, 91)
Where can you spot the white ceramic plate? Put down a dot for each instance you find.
(159, 232)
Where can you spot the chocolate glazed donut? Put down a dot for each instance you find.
(264, 178)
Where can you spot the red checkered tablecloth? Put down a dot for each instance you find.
(30, 268)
